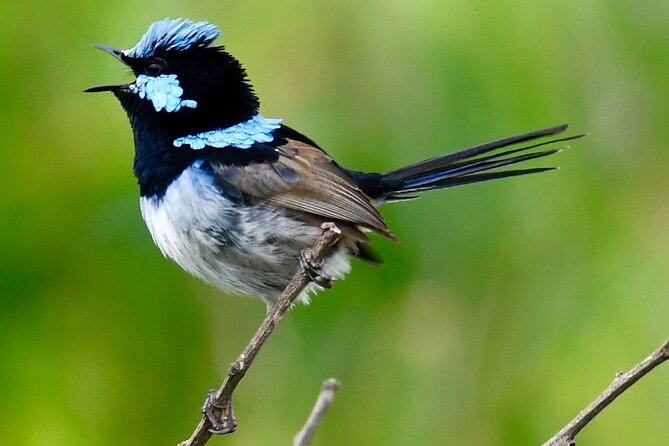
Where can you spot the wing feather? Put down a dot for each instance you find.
(304, 179)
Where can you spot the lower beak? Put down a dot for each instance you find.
(114, 87)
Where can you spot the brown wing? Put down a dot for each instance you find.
(306, 182)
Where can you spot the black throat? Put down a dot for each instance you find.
(157, 162)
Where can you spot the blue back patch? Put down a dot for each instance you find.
(242, 135)
(174, 35)
(163, 91)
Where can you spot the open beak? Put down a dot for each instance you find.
(118, 54)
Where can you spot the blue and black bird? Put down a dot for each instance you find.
(233, 197)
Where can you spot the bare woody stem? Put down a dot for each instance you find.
(622, 382)
(327, 239)
(323, 403)
(223, 397)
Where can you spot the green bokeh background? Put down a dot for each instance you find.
(507, 307)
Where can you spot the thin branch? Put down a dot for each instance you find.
(323, 403)
(622, 382)
(222, 400)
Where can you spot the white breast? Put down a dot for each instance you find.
(242, 249)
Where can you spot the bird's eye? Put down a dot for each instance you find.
(153, 69)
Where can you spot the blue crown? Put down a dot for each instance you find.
(174, 35)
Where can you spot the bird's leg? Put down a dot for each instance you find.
(314, 270)
(226, 423)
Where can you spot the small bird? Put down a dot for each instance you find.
(237, 199)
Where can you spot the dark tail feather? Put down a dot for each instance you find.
(461, 167)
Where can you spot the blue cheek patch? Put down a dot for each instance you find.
(242, 135)
(163, 91)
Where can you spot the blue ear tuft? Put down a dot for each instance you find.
(174, 35)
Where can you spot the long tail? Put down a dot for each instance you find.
(465, 166)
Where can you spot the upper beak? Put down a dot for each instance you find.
(118, 54)
(111, 50)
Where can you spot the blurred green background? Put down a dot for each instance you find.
(505, 310)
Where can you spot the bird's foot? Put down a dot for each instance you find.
(313, 270)
(226, 423)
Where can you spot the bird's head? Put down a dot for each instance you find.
(182, 81)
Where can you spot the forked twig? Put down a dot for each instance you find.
(220, 402)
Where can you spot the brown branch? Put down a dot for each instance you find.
(622, 382)
(305, 436)
(221, 403)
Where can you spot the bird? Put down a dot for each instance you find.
(235, 198)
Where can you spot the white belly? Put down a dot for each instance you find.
(241, 249)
